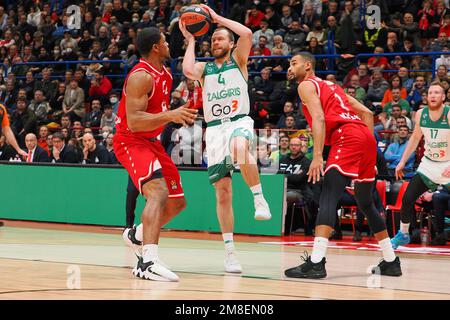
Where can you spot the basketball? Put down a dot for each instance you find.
(196, 20)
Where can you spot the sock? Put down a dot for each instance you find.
(319, 249)
(404, 227)
(228, 241)
(388, 252)
(257, 190)
(150, 252)
(139, 233)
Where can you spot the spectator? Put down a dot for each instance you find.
(120, 12)
(262, 45)
(23, 121)
(394, 153)
(46, 85)
(28, 85)
(65, 122)
(283, 150)
(272, 18)
(288, 109)
(395, 82)
(290, 124)
(317, 32)
(392, 44)
(100, 86)
(443, 59)
(397, 100)
(279, 44)
(263, 86)
(253, 18)
(85, 43)
(264, 31)
(308, 17)
(377, 87)
(35, 152)
(415, 96)
(279, 66)
(42, 141)
(360, 93)
(62, 152)
(93, 118)
(295, 37)
(441, 73)
(407, 82)
(190, 144)
(68, 42)
(295, 166)
(441, 204)
(73, 104)
(349, 11)
(57, 102)
(114, 101)
(288, 17)
(439, 43)
(108, 117)
(192, 92)
(177, 101)
(41, 108)
(377, 62)
(93, 152)
(410, 30)
(109, 146)
(446, 26)
(263, 161)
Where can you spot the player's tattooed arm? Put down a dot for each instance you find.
(308, 94)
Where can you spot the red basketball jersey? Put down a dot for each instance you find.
(158, 98)
(335, 106)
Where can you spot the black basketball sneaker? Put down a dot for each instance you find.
(308, 269)
(392, 269)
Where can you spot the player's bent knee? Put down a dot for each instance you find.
(155, 190)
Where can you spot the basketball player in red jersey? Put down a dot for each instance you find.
(143, 112)
(338, 120)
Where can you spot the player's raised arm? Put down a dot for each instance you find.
(308, 94)
(244, 44)
(364, 113)
(413, 142)
(138, 87)
(191, 69)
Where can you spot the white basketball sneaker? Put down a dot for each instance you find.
(232, 264)
(154, 270)
(129, 237)
(262, 210)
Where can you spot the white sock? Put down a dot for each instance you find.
(150, 252)
(228, 241)
(139, 232)
(388, 251)
(404, 227)
(257, 190)
(319, 249)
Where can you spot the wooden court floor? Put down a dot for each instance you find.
(40, 261)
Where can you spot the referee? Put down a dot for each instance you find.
(10, 138)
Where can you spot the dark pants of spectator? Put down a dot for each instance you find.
(73, 116)
(414, 190)
(298, 196)
(130, 207)
(441, 203)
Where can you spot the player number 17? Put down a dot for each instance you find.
(434, 133)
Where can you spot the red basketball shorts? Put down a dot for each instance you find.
(142, 157)
(353, 152)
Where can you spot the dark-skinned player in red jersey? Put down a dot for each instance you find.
(338, 120)
(143, 112)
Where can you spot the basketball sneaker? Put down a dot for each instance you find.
(308, 269)
(400, 239)
(232, 264)
(129, 236)
(262, 210)
(391, 269)
(154, 270)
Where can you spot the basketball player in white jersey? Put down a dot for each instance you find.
(229, 130)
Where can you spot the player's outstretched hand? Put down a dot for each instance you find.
(399, 170)
(446, 172)
(184, 115)
(212, 13)
(315, 170)
(184, 31)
